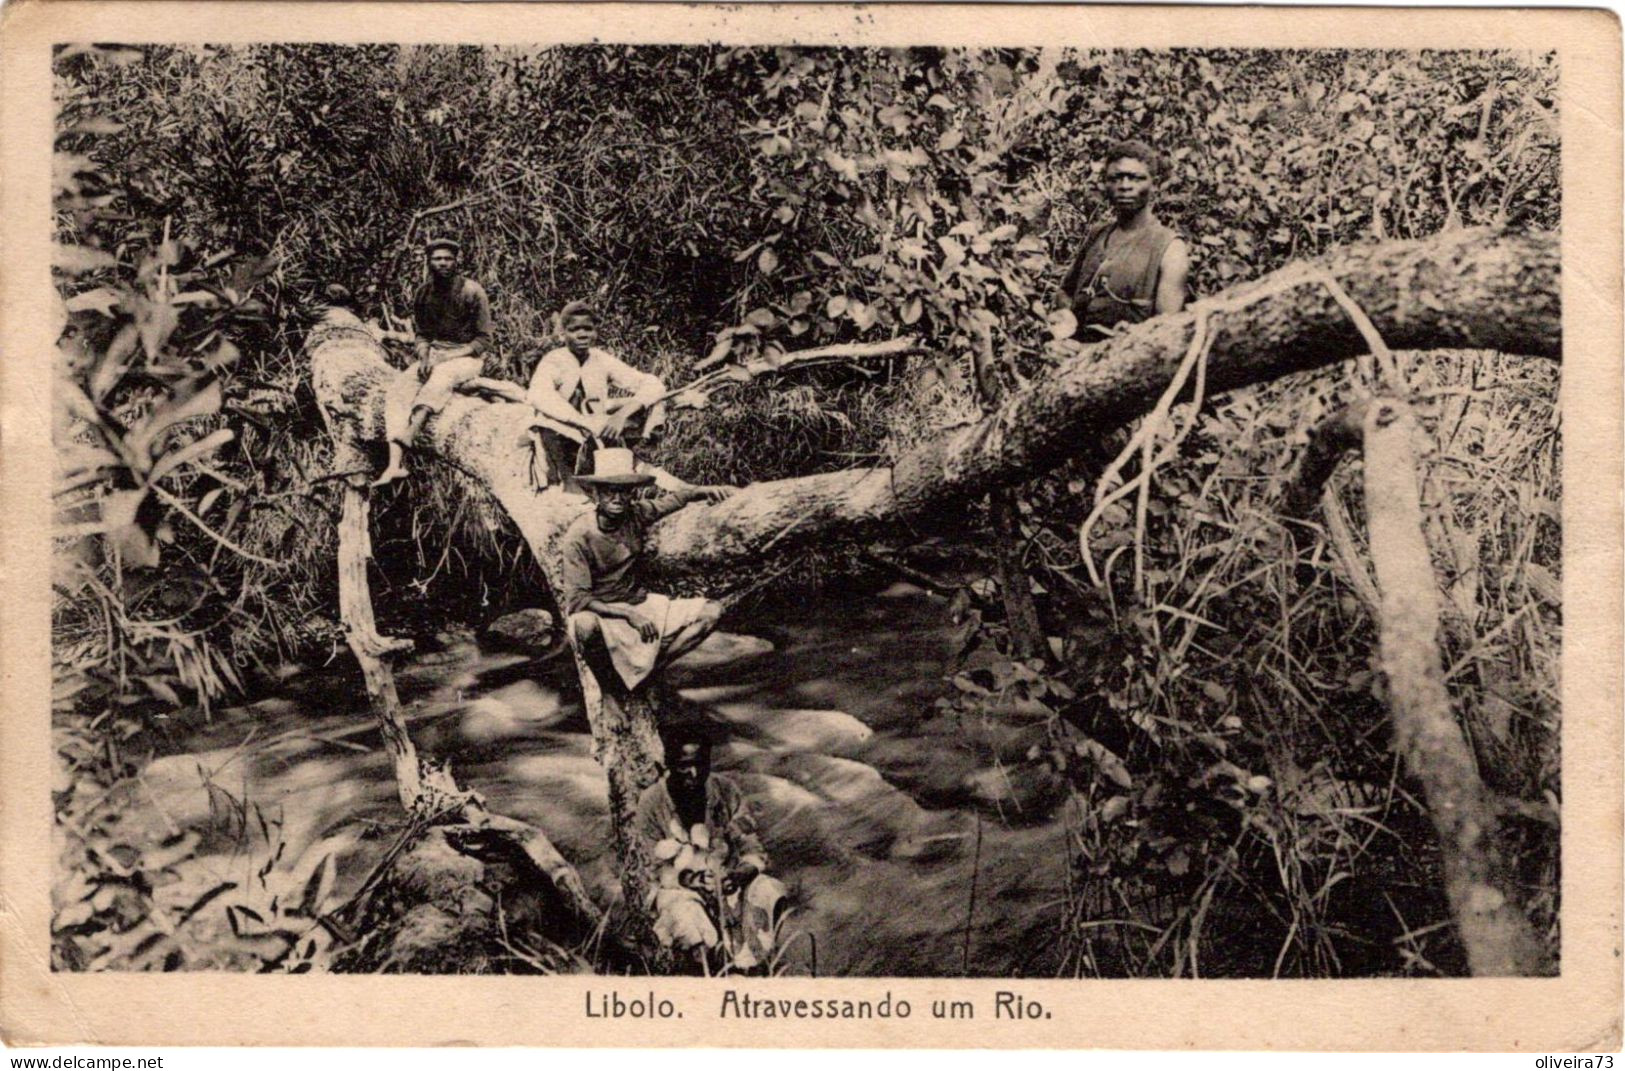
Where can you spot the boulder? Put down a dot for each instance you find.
(1028, 792)
(465, 900)
(528, 632)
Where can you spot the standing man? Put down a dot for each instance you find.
(624, 631)
(452, 316)
(713, 890)
(1131, 267)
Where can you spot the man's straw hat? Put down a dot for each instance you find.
(614, 466)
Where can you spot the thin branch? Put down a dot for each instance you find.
(1362, 322)
(462, 202)
(180, 507)
(845, 353)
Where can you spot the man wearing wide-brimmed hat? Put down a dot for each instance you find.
(452, 316)
(623, 630)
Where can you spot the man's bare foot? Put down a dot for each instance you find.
(391, 474)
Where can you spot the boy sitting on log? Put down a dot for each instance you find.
(623, 630)
(571, 389)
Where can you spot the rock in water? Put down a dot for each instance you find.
(826, 731)
(1027, 792)
(525, 631)
(721, 648)
(487, 720)
(461, 900)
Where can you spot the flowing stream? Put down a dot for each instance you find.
(913, 844)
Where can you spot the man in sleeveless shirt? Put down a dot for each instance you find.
(1131, 267)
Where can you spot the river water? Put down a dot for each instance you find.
(905, 836)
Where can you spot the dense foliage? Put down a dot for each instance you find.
(1216, 717)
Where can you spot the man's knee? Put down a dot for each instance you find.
(583, 626)
(445, 378)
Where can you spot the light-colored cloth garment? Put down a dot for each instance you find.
(682, 920)
(683, 917)
(562, 383)
(633, 656)
(407, 394)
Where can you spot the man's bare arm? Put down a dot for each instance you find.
(483, 327)
(630, 614)
(1171, 280)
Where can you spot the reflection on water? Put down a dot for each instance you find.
(867, 796)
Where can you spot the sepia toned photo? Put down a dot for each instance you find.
(716, 519)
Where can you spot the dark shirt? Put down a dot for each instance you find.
(1114, 279)
(608, 566)
(455, 312)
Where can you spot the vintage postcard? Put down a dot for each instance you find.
(810, 525)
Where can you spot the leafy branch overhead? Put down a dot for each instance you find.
(724, 366)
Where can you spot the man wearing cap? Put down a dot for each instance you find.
(571, 387)
(1131, 267)
(453, 319)
(712, 875)
(623, 630)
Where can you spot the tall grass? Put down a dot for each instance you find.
(1263, 826)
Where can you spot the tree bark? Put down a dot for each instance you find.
(369, 648)
(1404, 602)
(1004, 514)
(427, 792)
(1492, 926)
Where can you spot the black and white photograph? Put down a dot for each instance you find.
(766, 512)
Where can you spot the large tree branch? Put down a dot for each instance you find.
(1465, 289)
(1468, 289)
(1493, 928)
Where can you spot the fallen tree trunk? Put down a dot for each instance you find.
(428, 793)
(1467, 289)
(1474, 290)
(1492, 926)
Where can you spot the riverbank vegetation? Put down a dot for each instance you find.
(1213, 709)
